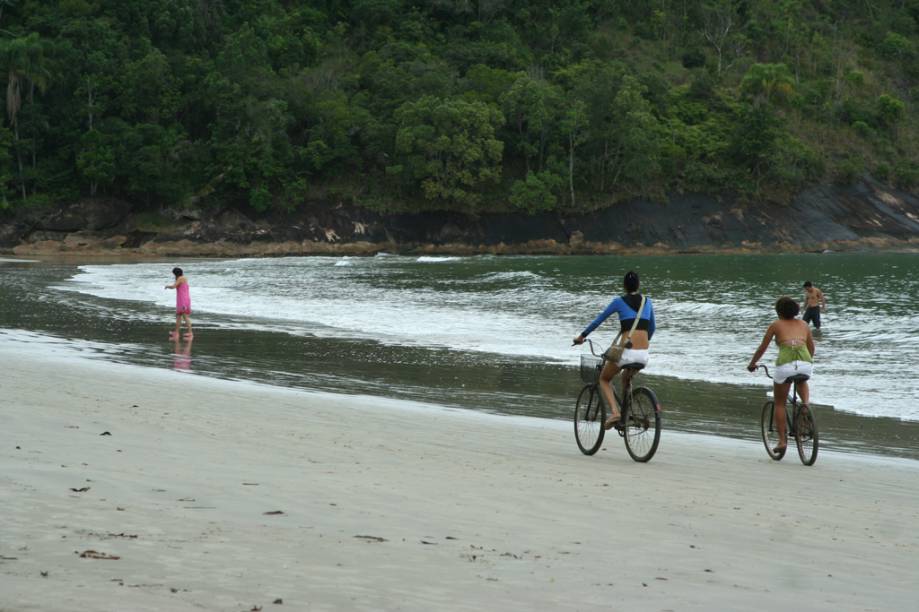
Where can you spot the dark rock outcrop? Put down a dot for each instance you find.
(823, 217)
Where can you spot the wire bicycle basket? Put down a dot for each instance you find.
(590, 368)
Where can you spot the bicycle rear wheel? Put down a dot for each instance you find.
(589, 414)
(770, 435)
(642, 425)
(806, 437)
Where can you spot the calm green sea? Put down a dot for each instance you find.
(493, 333)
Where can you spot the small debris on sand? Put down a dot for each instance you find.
(95, 554)
(273, 512)
(80, 490)
(371, 538)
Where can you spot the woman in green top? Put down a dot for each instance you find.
(796, 350)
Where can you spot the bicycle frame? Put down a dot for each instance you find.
(799, 421)
(627, 376)
(640, 431)
(791, 416)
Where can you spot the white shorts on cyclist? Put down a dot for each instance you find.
(792, 368)
(630, 356)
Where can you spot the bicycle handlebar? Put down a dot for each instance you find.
(590, 343)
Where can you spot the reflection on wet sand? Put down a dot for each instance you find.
(181, 356)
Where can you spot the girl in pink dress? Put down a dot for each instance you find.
(183, 303)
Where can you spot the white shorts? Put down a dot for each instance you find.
(793, 368)
(630, 356)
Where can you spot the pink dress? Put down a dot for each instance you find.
(183, 299)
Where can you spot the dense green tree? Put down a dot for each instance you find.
(531, 106)
(536, 192)
(768, 84)
(448, 147)
(472, 105)
(889, 109)
(96, 160)
(637, 137)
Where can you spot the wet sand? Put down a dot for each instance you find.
(195, 493)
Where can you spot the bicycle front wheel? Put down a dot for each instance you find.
(589, 414)
(642, 425)
(770, 434)
(806, 435)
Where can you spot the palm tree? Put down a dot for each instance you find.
(4, 4)
(768, 84)
(26, 61)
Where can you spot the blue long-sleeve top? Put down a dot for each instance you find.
(626, 306)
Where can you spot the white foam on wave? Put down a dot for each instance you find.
(433, 259)
(517, 275)
(309, 297)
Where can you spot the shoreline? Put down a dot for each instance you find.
(842, 431)
(389, 504)
(67, 351)
(186, 248)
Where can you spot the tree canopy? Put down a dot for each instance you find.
(468, 105)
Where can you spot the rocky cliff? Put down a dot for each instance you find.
(866, 215)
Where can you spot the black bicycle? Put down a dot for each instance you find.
(800, 425)
(641, 413)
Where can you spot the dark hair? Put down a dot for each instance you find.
(808, 284)
(787, 308)
(177, 272)
(630, 282)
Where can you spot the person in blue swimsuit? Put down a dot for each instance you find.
(636, 346)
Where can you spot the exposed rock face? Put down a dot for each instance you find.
(823, 217)
(92, 215)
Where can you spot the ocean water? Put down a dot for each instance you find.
(711, 310)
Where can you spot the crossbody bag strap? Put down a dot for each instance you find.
(641, 307)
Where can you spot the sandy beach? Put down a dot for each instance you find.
(129, 488)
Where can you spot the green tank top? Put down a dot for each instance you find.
(787, 354)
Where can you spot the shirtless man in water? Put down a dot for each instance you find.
(814, 302)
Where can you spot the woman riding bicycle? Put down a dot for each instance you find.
(636, 344)
(796, 350)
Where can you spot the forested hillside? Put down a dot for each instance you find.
(488, 105)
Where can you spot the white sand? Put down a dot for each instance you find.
(477, 512)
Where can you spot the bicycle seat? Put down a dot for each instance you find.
(797, 378)
(633, 366)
